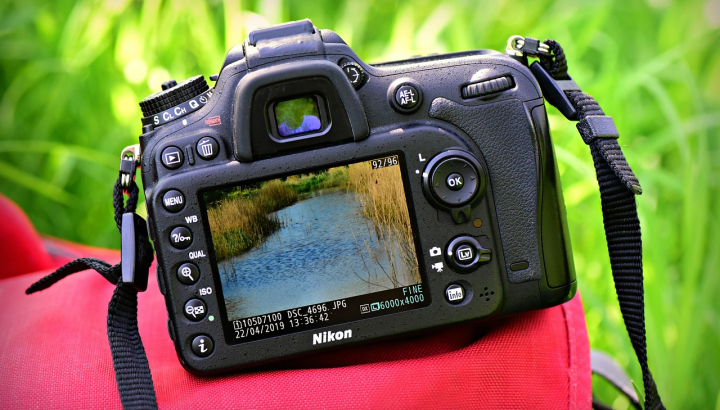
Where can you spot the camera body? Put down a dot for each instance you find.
(310, 200)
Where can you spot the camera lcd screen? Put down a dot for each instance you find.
(314, 249)
(297, 116)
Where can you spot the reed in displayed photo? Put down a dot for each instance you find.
(312, 238)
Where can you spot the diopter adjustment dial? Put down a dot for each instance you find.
(175, 100)
(354, 73)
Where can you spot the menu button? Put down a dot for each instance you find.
(173, 201)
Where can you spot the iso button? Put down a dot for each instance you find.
(207, 148)
(180, 237)
(195, 310)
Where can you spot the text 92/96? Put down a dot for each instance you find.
(384, 162)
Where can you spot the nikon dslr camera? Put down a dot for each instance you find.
(310, 200)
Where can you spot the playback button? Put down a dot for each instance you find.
(172, 157)
(180, 237)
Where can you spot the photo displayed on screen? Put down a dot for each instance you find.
(297, 116)
(312, 238)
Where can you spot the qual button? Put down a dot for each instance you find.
(188, 273)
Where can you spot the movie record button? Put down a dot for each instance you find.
(180, 237)
(195, 310)
(172, 157)
(202, 346)
(188, 273)
(173, 201)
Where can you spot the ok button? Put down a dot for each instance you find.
(180, 237)
(454, 181)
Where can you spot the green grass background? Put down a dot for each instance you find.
(72, 73)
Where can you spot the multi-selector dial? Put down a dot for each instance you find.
(454, 181)
(175, 100)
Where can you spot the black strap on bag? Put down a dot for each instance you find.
(130, 276)
(618, 187)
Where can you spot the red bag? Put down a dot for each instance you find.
(54, 351)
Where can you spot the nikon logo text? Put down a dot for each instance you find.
(324, 337)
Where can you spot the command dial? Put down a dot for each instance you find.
(175, 100)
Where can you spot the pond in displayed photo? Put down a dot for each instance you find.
(347, 235)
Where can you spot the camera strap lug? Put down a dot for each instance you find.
(520, 46)
(129, 163)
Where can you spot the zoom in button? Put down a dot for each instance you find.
(188, 273)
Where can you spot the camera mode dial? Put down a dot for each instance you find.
(175, 100)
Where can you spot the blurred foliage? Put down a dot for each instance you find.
(72, 73)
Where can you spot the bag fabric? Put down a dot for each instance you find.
(54, 351)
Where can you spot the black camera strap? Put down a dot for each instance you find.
(132, 371)
(618, 187)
